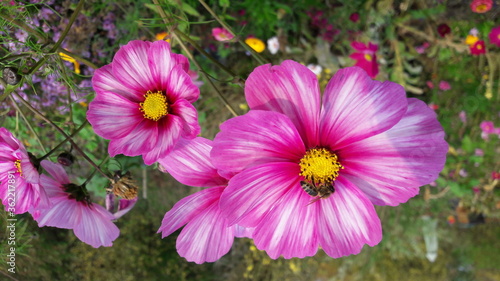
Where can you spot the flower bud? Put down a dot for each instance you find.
(66, 159)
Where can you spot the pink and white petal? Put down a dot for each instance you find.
(347, 221)
(124, 206)
(206, 238)
(190, 164)
(188, 208)
(130, 67)
(169, 133)
(359, 46)
(240, 231)
(289, 229)
(357, 107)
(251, 194)
(29, 172)
(255, 138)
(57, 172)
(161, 62)
(51, 187)
(182, 60)
(104, 81)
(8, 138)
(27, 196)
(113, 116)
(96, 227)
(391, 166)
(185, 110)
(179, 85)
(64, 213)
(138, 142)
(290, 88)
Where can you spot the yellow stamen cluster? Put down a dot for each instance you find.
(368, 57)
(17, 164)
(320, 165)
(155, 105)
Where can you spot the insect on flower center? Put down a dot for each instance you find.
(17, 164)
(368, 57)
(155, 105)
(320, 165)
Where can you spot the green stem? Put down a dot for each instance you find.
(256, 55)
(64, 141)
(190, 56)
(75, 146)
(28, 124)
(95, 170)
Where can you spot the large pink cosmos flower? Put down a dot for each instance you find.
(366, 57)
(19, 188)
(143, 101)
(207, 235)
(365, 140)
(71, 209)
(495, 36)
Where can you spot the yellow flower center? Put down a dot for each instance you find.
(368, 57)
(481, 8)
(155, 105)
(17, 164)
(479, 47)
(320, 165)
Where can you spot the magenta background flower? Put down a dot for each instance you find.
(443, 29)
(388, 146)
(481, 6)
(221, 34)
(354, 17)
(143, 102)
(207, 236)
(444, 86)
(487, 127)
(18, 176)
(91, 223)
(495, 36)
(430, 84)
(478, 48)
(366, 57)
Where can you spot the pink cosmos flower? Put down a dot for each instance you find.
(354, 17)
(487, 127)
(478, 48)
(143, 102)
(444, 86)
(71, 209)
(481, 6)
(463, 116)
(207, 235)
(365, 143)
(19, 179)
(366, 57)
(495, 36)
(221, 34)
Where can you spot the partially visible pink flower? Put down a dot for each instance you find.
(444, 86)
(478, 48)
(474, 32)
(476, 190)
(433, 106)
(463, 116)
(143, 101)
(354, 17)
(206, 236)
(195, 78)
(495, 36)
(481, 6)
(463, 173)
(487, 127)
(443, 29)
(478, 152)
(360, 143)
(495, 175)
(430, 84)
(221, 34)
(421, 49)
(71, 209)
(19, 179)
(124, 205)
(366, 57)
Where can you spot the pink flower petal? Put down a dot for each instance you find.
(356, 107)
(63, 213)
(190, 164)
(104, 81)
(289, 229)
(185, 110)
(130, 67)
(253, 192)
(8, 139)
(188, 208)
(291, 89)
(56, 171)
(124, 207)
(206, 238)
(391, 166)
(140, 141)
(169, 132)
(178, 85)
(95, 227)
(113, 116)
(359, 46)
(254, 138)
(347, 220)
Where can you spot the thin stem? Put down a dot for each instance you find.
(190, 56)
(25, 27)
(28, 124)
(75, 146)
(95, 170)
(256, 55)
(65, 140)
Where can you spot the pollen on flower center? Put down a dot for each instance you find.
(368, 57)
(17, 164)
(320, 165)
(155, 105)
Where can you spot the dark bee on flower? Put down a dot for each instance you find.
(123, 185)
(318, 190)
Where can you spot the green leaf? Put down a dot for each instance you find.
(457, 189)
(467, 144)
(189, 10)
(224, 3)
